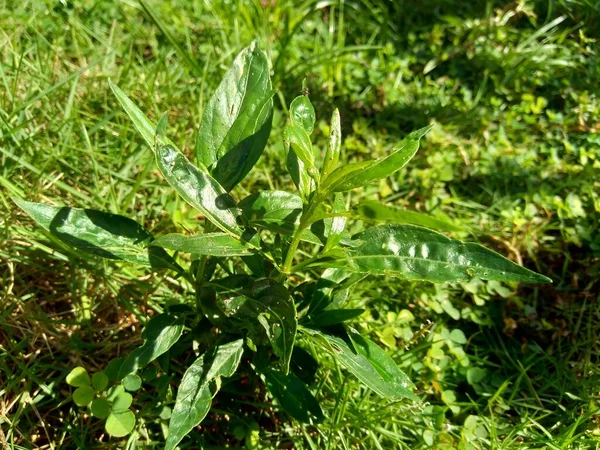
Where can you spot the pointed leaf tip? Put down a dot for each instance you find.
(237, 119)
(377, 169)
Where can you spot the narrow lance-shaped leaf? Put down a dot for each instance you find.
(298, 140)
(381, 168)
(196, 186)
(197, 389)
(342, 174)
(304, 365)
(210, 244)
(302, 113)
(334, 316)
(245, 142)
(381, 361)
(297, 170)
(294, 396)
(335, 258)
(278, 317)
(159, 335)
(199, 189)
(379, 212)
(161, 128)
(237, 118)
(415, 253)
(332, 155)
(369, 363)
(99, 233)
(145, 126)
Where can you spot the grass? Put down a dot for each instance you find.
(513, 160)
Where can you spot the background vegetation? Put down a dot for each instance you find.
(513, 159)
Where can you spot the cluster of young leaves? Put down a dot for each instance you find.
(257, 306)
(112, 404)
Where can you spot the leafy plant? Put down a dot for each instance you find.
(257, 302)
(112, 404)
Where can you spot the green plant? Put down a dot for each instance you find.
(255, 299)
(112, 404)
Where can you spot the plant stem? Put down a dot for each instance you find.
(201, 270)
(304, 222)
(289, 257)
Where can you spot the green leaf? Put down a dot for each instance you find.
(341, 175)
(335, 316)
(144, 126)
(120, 424)
(211, 244)
(78, 377)
(415, 253)
(159, 335)
(458, 336)
(383, 363)
(278, 314)
(247, 141)
(100, 408)
(83, 395)
(121, 401)
(237, 119)
(317, 234)
(199, 189)
(297, 170)
(113, 367)
(99, 233)
(293, 396)
(276, 211)
(335, 258)
(151, 133)
(379, 212)
(302, 113)
(335, 225)
(330, 280)
(196, 391)
(280, 212)
(115, 392)
(381, 168)
(476, 375)
(132, 382)
(304, 365)
(332, 155)
(331, 295)
(370, 364)
(161, 128)
(298, 140)
(99, 381)
(242, 303)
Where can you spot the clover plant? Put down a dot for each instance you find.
(256, 293)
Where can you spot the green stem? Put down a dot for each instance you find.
(201, 270)
(304, 222)
(289, 258)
